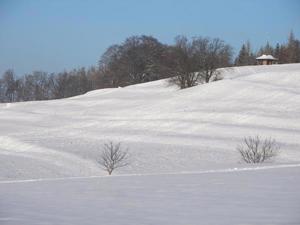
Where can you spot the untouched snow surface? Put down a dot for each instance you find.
(184, 165)
(260, 197)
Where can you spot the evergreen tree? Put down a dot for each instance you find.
(293, 49)
(246, 56)
(277, 51)
(266, 50)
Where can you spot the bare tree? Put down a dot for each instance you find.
(211, 54)
(113, 157)
(197, 61)
(184, 63)
(256, 150)
(9, 85)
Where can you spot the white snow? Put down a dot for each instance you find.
(166, 129)
(266, 57)
(185, 139)
(269, 196)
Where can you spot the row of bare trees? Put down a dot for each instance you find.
(142, 58)
(43, 86)
(139, 59)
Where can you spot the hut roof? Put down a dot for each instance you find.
(268, 57)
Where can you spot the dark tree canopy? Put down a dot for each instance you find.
(139, 59)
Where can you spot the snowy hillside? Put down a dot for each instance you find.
(184, 168)
(166, 129)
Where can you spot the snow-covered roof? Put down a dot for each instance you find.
(269, 57)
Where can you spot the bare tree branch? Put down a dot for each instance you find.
(256, 150)
(113, 157)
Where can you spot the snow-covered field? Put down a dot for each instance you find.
(188, 135)
(260, 197)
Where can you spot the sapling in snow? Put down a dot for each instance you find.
(257, 150)
(113, 156)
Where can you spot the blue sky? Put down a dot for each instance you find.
(54, 35)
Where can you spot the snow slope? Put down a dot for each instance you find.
(167, 130)
(260, 197)
(185, 168)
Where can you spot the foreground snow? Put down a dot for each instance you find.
(252, 196)
(166, 129)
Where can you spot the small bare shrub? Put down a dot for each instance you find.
(113, 157)
(257, 150)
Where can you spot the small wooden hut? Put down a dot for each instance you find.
(266, 60)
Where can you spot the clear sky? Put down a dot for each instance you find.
(53, 35)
